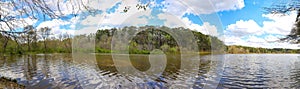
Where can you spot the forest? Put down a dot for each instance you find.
(35, 41)
(152, 37)
(237, 49)
(42, 41)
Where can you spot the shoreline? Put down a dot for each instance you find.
(200, 53)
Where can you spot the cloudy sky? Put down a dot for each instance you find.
(236, 22)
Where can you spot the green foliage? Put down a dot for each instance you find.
(139, 51)
(34, 46)
(165, 47)
(150, 38)
(173, 50)
(243, 49)
(100, 50)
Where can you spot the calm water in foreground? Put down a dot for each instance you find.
(236, 71)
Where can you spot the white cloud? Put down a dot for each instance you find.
(175, 21)
(272, 38)
(244, 28)
(172, 20)
(272, 30)
(55, 26)
(17, 24)
(233, 40)
(90, 24)
(281, 25)
(102, 4)
(254, 41)
(132, 17)
(206, 28)
(201, 6)
(119, 18)
(92, 20)
(73, 6)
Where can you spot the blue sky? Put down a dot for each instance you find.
(236, 22)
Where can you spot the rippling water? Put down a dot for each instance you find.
(240, 71)
(261, 71)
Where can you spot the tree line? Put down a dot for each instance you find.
(143, 40)
(34, 41)
(42, 41)
(236, 49)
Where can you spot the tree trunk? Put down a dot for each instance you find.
(19, 48)
(5, 44)
(28, 44)
(297, 28)
(45, 46)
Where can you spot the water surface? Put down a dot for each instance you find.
(240, 71)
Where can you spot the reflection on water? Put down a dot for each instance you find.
(61, 71)
(261, 71)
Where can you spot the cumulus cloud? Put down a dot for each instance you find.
(254, 35)
(132, 17)
(233, 40)
(17, 24)
(136, 17)
(264, 42)
(175, 21)
(244, 28)
(91, 23)
(172, 20)
(56, 25)
(73, 6)
(279, 24)
(205, 28)
(119, 17)
(201, 6)
(254, 39)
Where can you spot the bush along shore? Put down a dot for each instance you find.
(10, 83)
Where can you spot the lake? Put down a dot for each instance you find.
(213, 71)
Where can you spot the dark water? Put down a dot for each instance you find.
(240, 71)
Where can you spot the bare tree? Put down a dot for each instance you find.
(45, 33)
(68, 42)
(30, 34)
(284, 7)
(17, 14)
